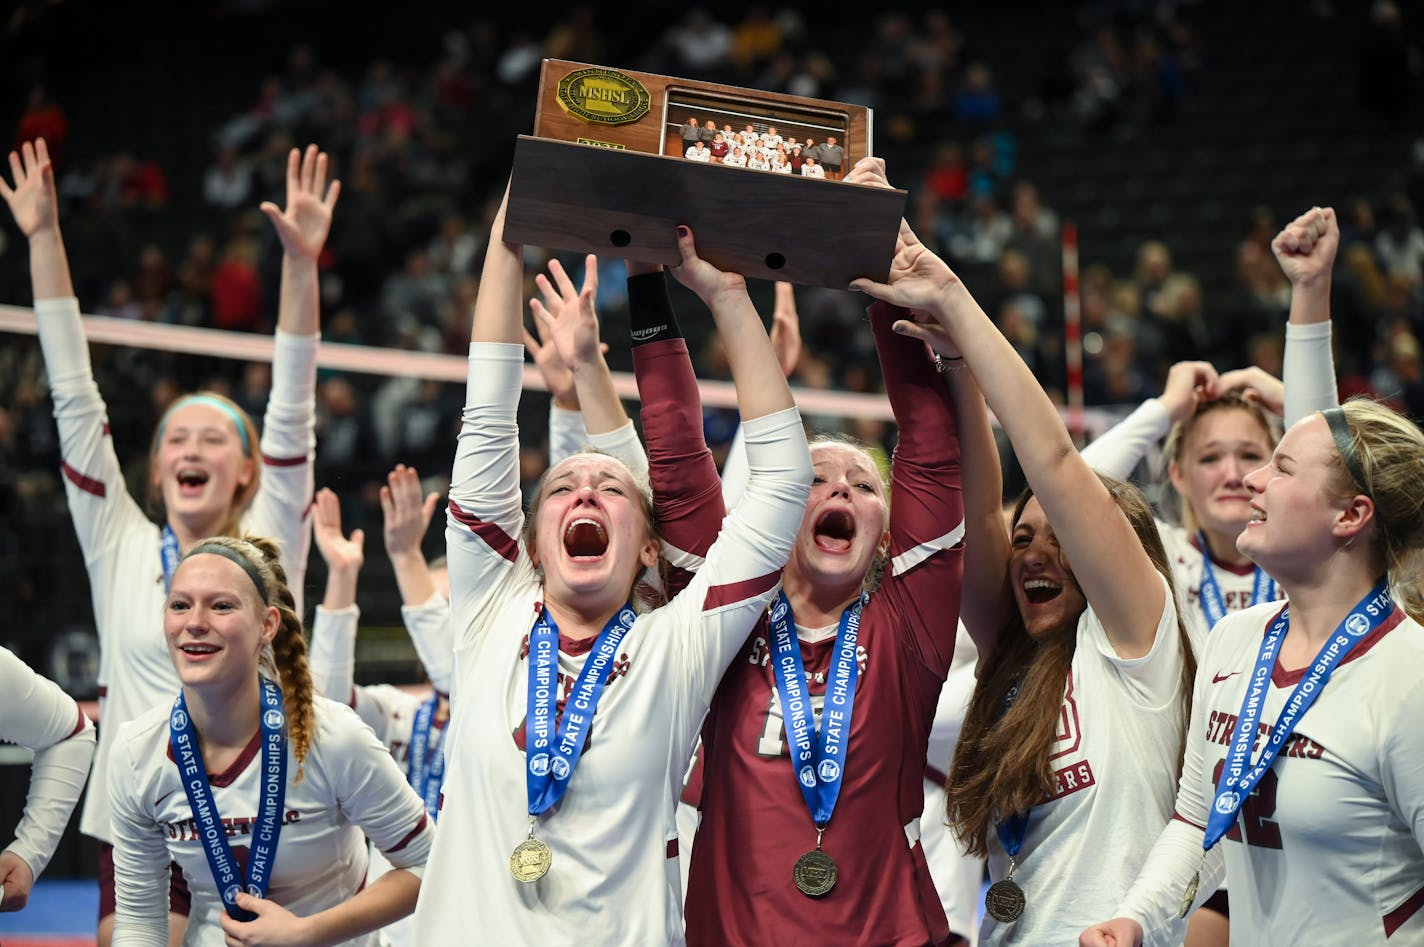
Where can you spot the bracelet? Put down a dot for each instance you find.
(947, 363)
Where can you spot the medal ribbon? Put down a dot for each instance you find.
(1239, 776)
(819, 763)
(427, 763)
(551, 758)
(1212, 602)
(260, 858)
(169, 554)
(1011, 831)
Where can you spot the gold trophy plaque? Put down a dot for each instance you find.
(619, 159)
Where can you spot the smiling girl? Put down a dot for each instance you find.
(207, 465)
(260, 791)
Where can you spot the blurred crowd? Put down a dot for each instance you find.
(422, 149)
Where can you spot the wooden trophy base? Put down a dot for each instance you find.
(611, 202)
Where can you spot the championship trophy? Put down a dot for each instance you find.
(619, 159)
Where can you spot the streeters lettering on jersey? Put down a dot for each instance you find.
(619, 669)
(186, 830)
(1221, 724)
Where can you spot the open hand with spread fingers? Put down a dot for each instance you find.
(32, 200)
(304, 223)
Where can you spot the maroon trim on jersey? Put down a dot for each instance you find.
(1178, 817)
(78, 727)
(574, 647)
(672, 848)
(1246, 569)
(103, 691)
(228, 776)
(1396, 918)
(494, 537)
(1280, 677)
(271, 461)
(87, 484)
(105, 430)
(352, 702)
(935, 777)
(733, 592)
(419, 827)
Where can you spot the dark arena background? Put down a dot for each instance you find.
(1175, 138)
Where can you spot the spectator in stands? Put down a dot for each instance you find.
(228, 183)
(43, 118)
(236, 287)
(1400, 243)
(977, 100)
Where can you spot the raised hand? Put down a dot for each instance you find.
(923, 327)
(786, 329)
(32, 201)
(303, 224)
(342, 553)
(1306, 247)
(918, 278)
(702, 277)
(1254, 384)
(566, 316)
(407, 514)
(1188, 384)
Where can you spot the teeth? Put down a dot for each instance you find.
(200, 648)
(585, 521)
(1257, 516)
(1032, 584)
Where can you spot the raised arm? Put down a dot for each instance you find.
(1109, 563)
(1121, 448)
(756, 374)
(333, 634)
(424, 610)
(786, 342)
(302, 226)
(1306, 250)
(35, 206)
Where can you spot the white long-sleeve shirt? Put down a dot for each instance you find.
(350, 790)
(39, 716)
(615, 874)
(121, 544)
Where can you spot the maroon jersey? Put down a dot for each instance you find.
(755, 823)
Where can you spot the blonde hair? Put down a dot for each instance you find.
(1388, 452)
(251, 449)
(1175, 445)
(285, 659)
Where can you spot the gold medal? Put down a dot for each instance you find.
(531, 858)
(1190, 895)
(815, 873)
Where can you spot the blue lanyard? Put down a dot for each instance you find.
(1239, 776)
(169, 554)
(1212, 602)
(819, 764)
(1011, 831)
(427, 763)
(211, 832)
(551, 758)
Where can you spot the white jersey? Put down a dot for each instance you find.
(36, 714)
(758, 162)
(121, 544)
(615, 872)
(812, 171)
(699, 154)
(957, 877)
(1114, 763)
(1327, 848)
(1184, 554)
(736, 161)
(350, 789)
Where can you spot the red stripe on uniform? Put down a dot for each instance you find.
(1178, 817)
(1396, 918)
(271, 461)
(733, 592)
(419, 827)
(494, 537)
(672, 848)
(87, 484)
(106, 428)
(78, 727)
(935, 776)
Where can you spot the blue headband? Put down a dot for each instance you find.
(218, 403)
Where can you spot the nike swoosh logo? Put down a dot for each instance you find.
(1218, 678)
(159, 801)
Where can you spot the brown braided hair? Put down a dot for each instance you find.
(286, 657)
